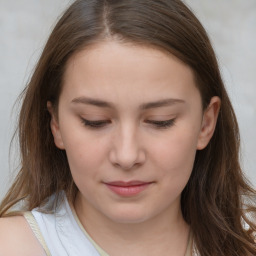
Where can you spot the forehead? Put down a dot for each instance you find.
(113, 69)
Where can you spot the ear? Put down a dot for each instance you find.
(55, 127)
(209, 122)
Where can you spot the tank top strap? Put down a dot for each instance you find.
(58, 231)
(36, 230)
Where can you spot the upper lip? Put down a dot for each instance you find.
(127, 183)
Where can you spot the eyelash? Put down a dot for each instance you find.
(162, 124)
(102, 123)
(95, 124)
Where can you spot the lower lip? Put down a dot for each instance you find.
(128, 190)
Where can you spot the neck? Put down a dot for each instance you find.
(164, 233)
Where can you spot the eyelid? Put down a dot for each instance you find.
(162, 124)
(159, 124)
(95, 123)
(93, 117)
(162, 117)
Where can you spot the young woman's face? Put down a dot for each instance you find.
(130, 120)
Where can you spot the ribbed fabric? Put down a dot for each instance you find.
(36, 230)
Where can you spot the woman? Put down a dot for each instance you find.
(129, 141)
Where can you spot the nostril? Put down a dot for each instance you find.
(127, 160)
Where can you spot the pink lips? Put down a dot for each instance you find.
(130, 188)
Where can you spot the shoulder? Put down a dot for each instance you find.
(16, 238)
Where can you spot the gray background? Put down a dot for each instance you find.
(26, 24)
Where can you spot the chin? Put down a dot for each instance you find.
(128, 216)
(128, 220)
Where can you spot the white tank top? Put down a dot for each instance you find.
(61, 233)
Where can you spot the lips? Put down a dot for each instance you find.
(127, 184)
(130, 188)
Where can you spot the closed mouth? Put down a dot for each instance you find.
(128, 189)
(127, 183)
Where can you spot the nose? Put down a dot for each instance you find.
(127, 151)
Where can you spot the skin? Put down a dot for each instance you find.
(128, 146)
(16, 238)
(120, 84)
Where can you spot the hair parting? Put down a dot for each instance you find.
(218, 202)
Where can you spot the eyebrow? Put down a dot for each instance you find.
(161, 103)
(144, 106)
(94, 102)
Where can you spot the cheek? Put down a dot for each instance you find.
(85, 153)
(85, 161)
(176, 153)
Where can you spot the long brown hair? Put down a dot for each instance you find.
(217, 200)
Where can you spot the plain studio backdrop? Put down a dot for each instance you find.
(26, 24)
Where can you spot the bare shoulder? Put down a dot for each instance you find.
(16, 238)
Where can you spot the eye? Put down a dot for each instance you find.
(161, 124)
(95, 124)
